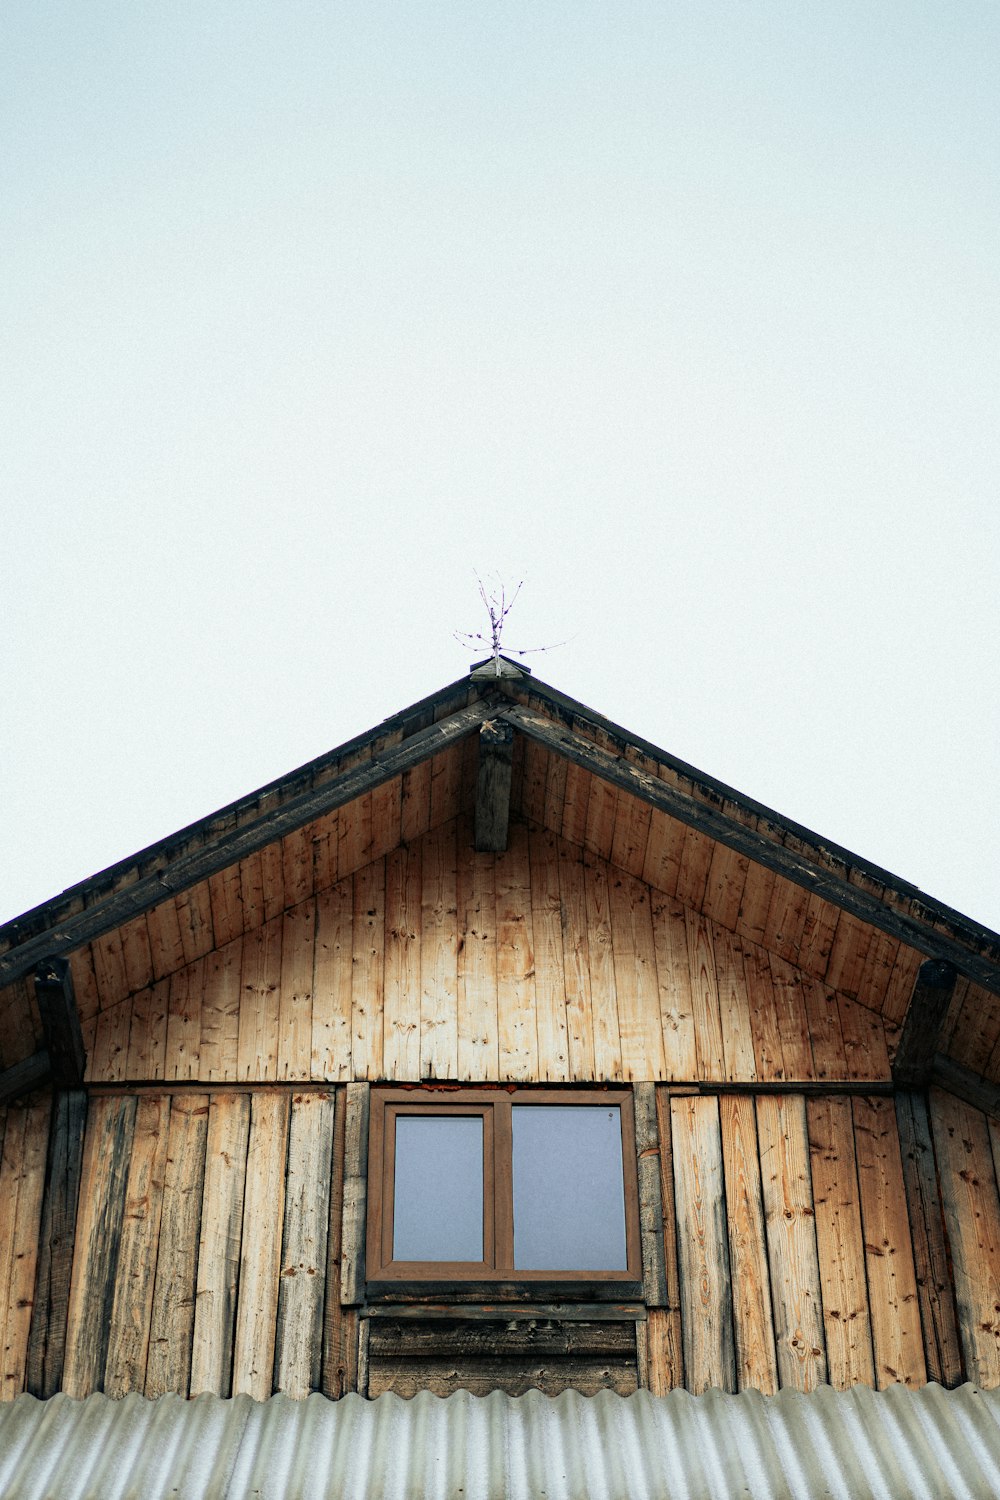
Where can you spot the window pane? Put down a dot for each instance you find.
(569, 1197)
(438, 1201)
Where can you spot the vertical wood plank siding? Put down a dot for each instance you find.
(214, 1241)
(544, 963)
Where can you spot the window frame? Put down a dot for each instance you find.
(496, 1271)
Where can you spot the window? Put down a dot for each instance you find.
(502, 1187)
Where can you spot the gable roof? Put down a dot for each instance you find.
(584, 777)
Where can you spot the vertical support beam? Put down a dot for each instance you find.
(496, 751)
(60, 1022)
(352, 1242)
(647, 1151)
(932, 992)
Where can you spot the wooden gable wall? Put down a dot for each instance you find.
(185, 1239)
(543, 964)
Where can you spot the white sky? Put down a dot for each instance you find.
(688, 314)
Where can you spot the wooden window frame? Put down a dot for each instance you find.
(391, 1278)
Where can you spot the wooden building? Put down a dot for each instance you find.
(317, 1094)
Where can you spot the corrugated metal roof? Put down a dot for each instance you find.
(925, 1445)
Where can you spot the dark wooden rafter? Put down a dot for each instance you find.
(795, 867)
(965, 1084)
(932, 992)
(496, 754)
(60, 1022)
(236, 843)
(20, 1078)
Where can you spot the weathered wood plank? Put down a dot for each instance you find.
(702, 1241)
(220, 1014)
(355, 1195)
(647, 1150)
(260, 978)
(184, 1022)
(226, 900)
(972, 1221)
(302, 1284)
(673, 976)
(132, 1308)
(793, 1024)
(734, 1007)
(444, 1355)
(825, 1034)
(106, 1153)
(401, 983)
(260, 1253)
(340, 1324)
(840, 1243)
(576, 964)
(22, 1196)
(892, 1281)
(727, 877)
(756, 1360)
(705, 995)
(546, 927)
(220, 1245)
(47, 1337)
(168, 1366)
(692, 873)
(478, 1027)
(194, 917)
(368, 971)
(295, 992)
(662, 863)
(636, 986)
(791, 1240)
(518, 1041)
(763, 1014)
(631, 835)
(439, 955)
(332, 983)
(942, 1349)
(664, 1343)
(147, 1037)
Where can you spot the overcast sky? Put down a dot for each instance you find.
(686, 314)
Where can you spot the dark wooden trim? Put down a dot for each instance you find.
(60, 1022)
(715, 824)
(496, 755)
(925, 1014)
(647, 1151)
(188, 869)
(965, 1084)
(352, 1237)
(56, 1237)
(563, 1312)
(20, 1078)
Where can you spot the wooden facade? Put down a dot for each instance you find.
(190, 1216)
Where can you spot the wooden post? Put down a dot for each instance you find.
(352, 1243)
(647, 1151)
(496, 752)
(925, 1015)
(60, 1022)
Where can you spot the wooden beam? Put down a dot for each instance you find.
(496, 751)
(965, 1084)
(235, 844)
(60, 1022)
(24, 1076)
(932, 992)
(709, 820)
